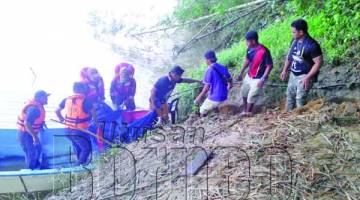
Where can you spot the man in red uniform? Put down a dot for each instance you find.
(123, 88)
(95, 84)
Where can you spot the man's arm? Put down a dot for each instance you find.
(30, 130)
(285, 70)
(59, 109)
(314, 70)
(189, 80)
(133, 88)
(265, 76)
(316, 67)
(245, 65)
(31, 115)
(287, 63)
(269, 65)
(204, 91)
(59, 115)
(267, 72)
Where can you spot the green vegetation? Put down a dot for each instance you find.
(334, 24)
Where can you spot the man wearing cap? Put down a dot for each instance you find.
(30, 123)
(304, 60)
(162, 90)
(259, 61)
(79, 112)
(217, 80)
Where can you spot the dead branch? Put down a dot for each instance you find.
(195, 39)
(236, 8)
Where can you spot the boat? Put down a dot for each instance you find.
(56, 161)
(57, 156)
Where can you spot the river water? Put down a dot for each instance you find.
(44, 44)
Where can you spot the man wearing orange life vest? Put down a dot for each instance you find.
(30, 124)
(78, 114)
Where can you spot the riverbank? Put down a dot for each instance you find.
(312, 153)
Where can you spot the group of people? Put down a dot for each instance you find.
(79, 109)
(303, 60)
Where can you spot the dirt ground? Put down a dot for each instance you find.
(312, 153)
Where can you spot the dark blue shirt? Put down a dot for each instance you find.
(164, 86)
(301, 55)
(87, 105)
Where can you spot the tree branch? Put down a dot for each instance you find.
(219, 29)
(236, 8)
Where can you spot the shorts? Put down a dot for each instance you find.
(209, 105)
(250, 90)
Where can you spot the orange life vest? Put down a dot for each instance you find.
(38, 123)
(75, 115)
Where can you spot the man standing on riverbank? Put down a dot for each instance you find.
(79, 112)
(217, 80)
(163, 89)
(30, 124)
(258, 59)
(305, 59)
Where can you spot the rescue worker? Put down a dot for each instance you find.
(123, 88)
(217, 80)
(30, 124)
(128, 66)
(304, 60)
(259, 61)
(95, 83)
(78, 114)
(162, 90)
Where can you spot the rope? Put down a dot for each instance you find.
(85, 131)
(274, 85)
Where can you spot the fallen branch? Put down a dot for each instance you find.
(195, 36)
(201, 18)
(219, 29)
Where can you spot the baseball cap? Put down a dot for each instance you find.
(210, 55)
(252, 35)
(177, 70)
(40, 94)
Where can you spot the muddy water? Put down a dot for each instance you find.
(53, 49)
(58, 39)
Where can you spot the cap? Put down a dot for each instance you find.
(252, 35)
(177, 70)
(210, 55)
(41, 93)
